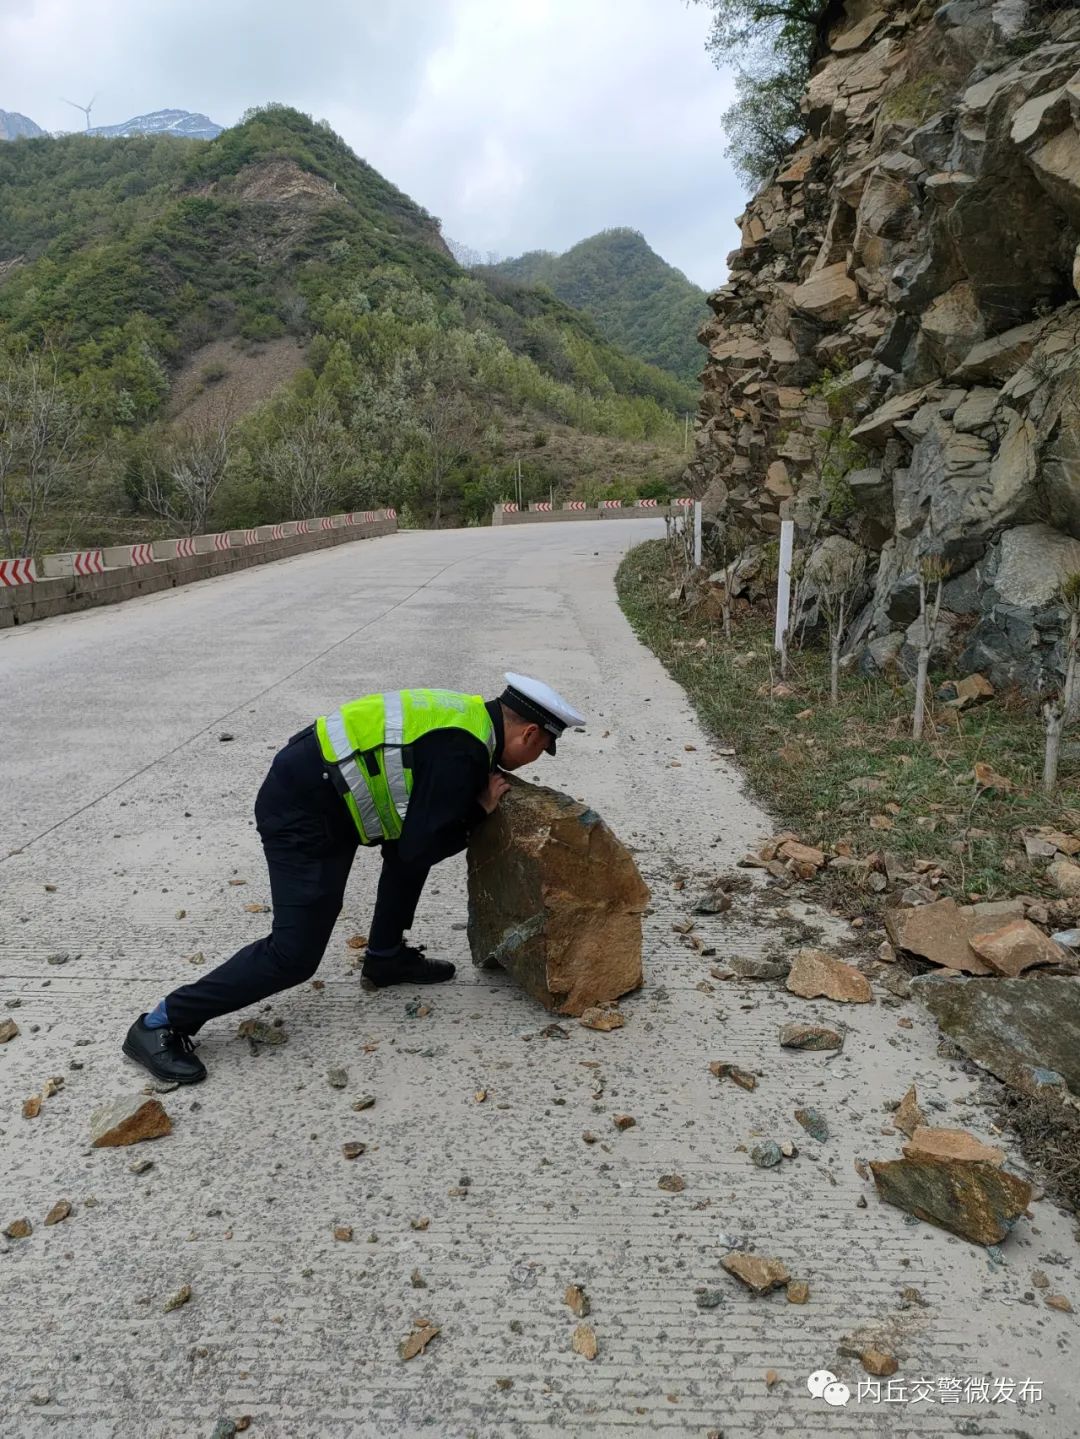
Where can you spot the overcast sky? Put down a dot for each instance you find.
(521, 124)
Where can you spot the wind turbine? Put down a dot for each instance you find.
(84, 108)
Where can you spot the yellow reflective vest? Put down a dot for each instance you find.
(368, 741)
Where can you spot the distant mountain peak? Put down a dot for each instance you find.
(13, 126)
(636, 299)
(185, 124)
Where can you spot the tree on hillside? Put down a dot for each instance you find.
(444, 417)
(43, 437)
(768, 44)
(310, 462)
(180, 482)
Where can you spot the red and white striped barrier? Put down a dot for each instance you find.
(685, 503)
(179, 549)
(326, 523)
(391, 514)
(79, 563)
(510, 509)
(17, 572)
(277, 532)
(252, 537)
(541, 505)
(303, 527)
(88, 562)
(611, 504)
(646, 504)
(118, 557)
(575, 505)
(223, 541)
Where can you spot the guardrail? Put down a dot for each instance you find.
(540, 511)
(82, 579)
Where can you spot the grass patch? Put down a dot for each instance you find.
(801, 765)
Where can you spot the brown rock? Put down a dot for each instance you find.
(59, 1212)
(673, 1183)
(909, 1116)
(343, 1232)
(31, 1107)
(602, 1019)
(179, 1299)
(798, 1291)
(1058, 1301)
(577, 1300)
(803, 854)
(556, 900)
(128, 1121)
(8, 1030)
(951, 1144)
(830, 295)
(353, 1149)
(756, 1272)
(816, 974)
(940, 932)
(878, 1361)
(1016, 946)
(810, 1036)
(624, 1121)
(1064, 875)
(972, 689)
(584, 1342)
(19, 1229)
(416, 1342)
(979, 1202)
(724, 1069)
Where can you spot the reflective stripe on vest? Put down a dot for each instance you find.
(368, 742)
(393, 760)
(350, 773)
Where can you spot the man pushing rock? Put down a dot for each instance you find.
(412, 771)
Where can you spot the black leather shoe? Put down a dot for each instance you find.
(410, 965)
(165, 1052)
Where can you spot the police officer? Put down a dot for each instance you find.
(413, 771)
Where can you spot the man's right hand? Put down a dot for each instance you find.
(492, 793)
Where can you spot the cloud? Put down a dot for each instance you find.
(522, 124)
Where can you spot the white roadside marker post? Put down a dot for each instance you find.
(783, 583)
(697, 534)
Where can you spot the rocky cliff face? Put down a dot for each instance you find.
(895, 359)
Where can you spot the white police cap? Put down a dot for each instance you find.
(538, 702)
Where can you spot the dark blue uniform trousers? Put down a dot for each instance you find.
(309, 839)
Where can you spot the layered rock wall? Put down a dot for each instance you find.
(895, 355)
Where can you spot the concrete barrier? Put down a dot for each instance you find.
(118, 556)
(182, 549)
(72, 562)
(17, 572)
(505, 515)
(39, 599)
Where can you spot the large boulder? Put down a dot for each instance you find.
(1022, 1030)
(556, 900)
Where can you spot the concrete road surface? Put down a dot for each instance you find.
(126, 816)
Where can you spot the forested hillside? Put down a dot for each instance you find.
(154, 291)
(639, 301)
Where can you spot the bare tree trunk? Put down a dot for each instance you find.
(836, 635)
(1054, 714)
(928, 628)
(1071, 648)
